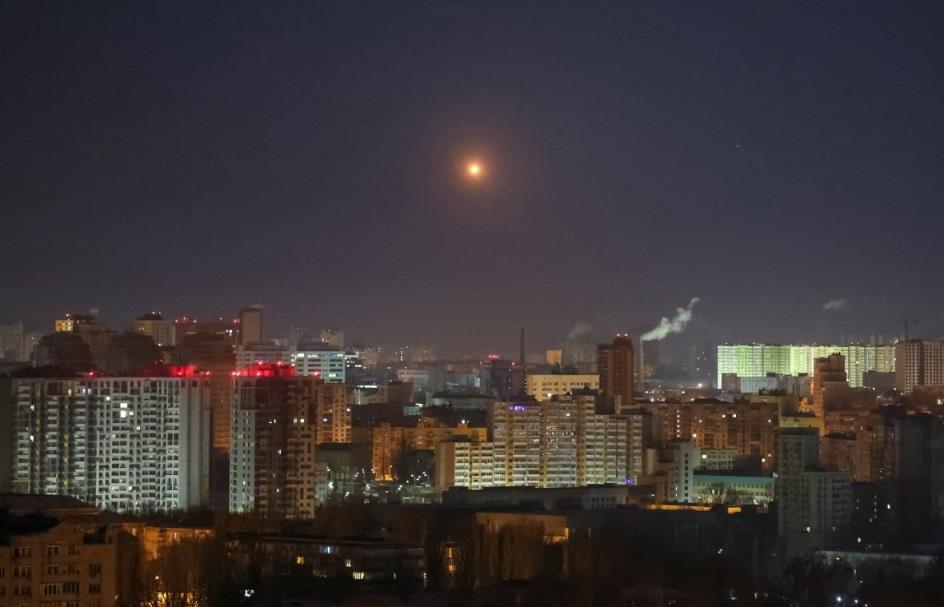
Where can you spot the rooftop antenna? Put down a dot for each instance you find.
(521, 352)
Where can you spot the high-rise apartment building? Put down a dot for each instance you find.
(557, 443)
(616, 367)
(213, 353)
(829, 382)
(757, 360)
(464, 463)
(129, 444)
(602, 446)
(919, 363)
(814, 505)
(333, 412)
(278, 420)
(579, 447)
(274, 429)
(516, 434)
(746, 427)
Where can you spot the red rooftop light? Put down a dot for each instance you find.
(266, 370)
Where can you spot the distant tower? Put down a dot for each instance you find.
(829, 382)
(521, 353)
(615, 365)
(250, 326)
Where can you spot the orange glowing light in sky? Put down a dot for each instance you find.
(474, 169)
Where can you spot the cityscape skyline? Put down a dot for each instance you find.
(463, 303)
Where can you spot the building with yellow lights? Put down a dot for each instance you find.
(548, 385)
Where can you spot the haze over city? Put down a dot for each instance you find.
(767, 159)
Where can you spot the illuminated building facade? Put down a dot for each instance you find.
(128, 444)
(464, 464)
(757, 360)
(734, 489)
(548, 385)
(516, 432)
(322, 361)
(920, 363)
(554, 443)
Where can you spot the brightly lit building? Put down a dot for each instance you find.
(516, 432)
(757, 360)
(321, 361)
(734, 489)
(579, 447)
(921, 363)
(548, 385)
(464, 463)
(560, 442)
(127, 444)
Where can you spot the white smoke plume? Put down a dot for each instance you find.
(834, 305)
(580, 329)
(667, 327)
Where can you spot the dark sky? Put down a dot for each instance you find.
(763, 156)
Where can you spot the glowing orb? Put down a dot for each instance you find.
(474, 170)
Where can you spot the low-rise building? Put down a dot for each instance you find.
(734, 489)
(45, 562)
(547, 385)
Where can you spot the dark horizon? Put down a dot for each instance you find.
(766, 159)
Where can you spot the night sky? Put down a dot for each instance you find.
(765, 157)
